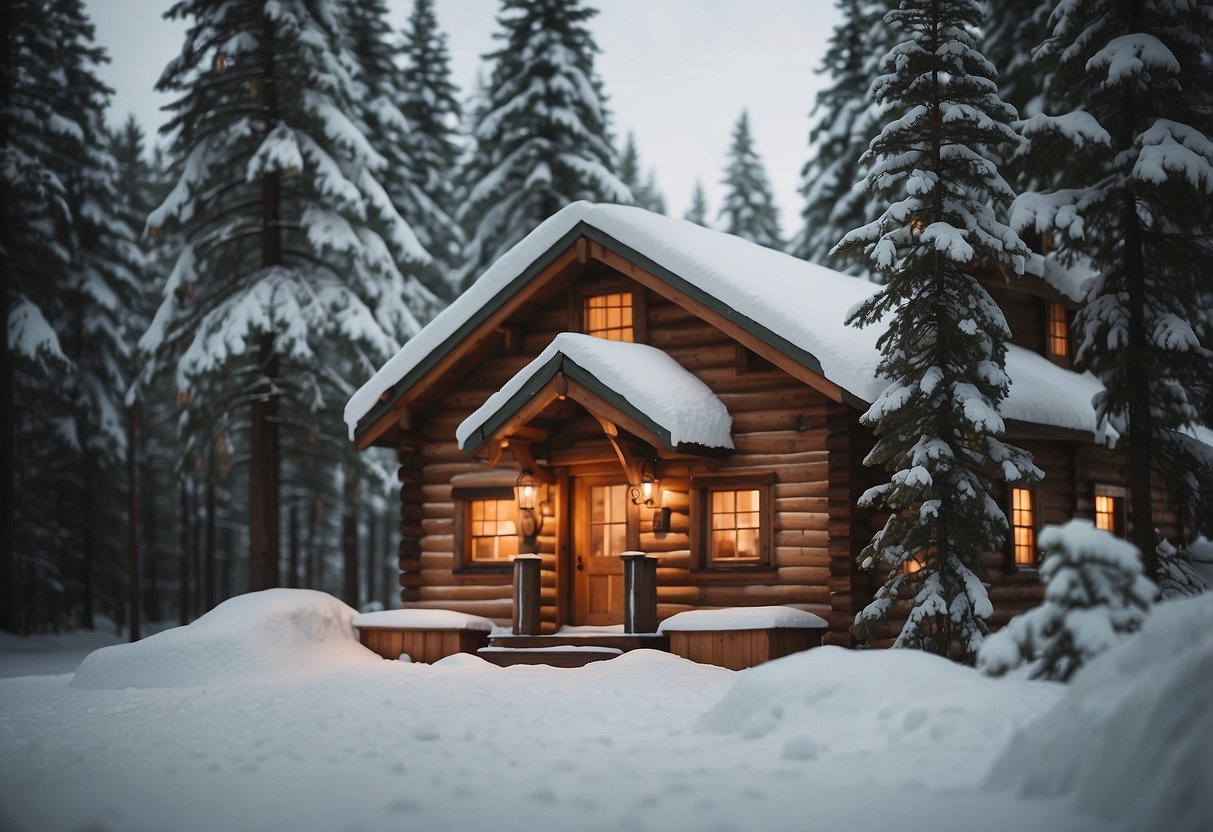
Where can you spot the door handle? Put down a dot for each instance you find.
(580, 564)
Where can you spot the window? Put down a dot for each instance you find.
(1110, 509)
(1057, 334)
(1023, 527)
(608, 520)
(608, 316)
(732, 522)
(486, 528)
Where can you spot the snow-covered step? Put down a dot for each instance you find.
(558, 655)
(586, 638)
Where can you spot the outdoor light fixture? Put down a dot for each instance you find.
(648, 491)
(530, 521)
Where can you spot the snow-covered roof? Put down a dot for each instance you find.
(656, 386)
(797, 306)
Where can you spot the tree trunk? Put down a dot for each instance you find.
(135, 574)
(292, 572)
(183, 560)
(10, 612)
(229, 563)
(209, 561)
(309, 554)
(87, 544)
(264, 462)
(149, 536)
(196, 550)
(372, 558)
(349, 544)
(391, 568)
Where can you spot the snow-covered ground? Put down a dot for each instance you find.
(325, 736)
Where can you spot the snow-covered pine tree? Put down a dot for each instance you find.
(1129, 159)
(749, 208)
(832, 179)
(108, 268)
(34, 221)
(645, 193)
(542, 141)
(937, 423)
(288, 284)
(430, 103)
(698, 210)
(1095, 595)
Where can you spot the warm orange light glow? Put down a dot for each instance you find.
(1059, 331)
(1108, 513)
(1023, 526)
(494, 534)
(735, 525)
(609, 316)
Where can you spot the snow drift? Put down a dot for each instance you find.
(831, 700)
(1132, 738)
(261, 634)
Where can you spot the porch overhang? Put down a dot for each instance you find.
(631, 386)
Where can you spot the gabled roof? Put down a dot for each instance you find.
(638, 380)
(796, 307)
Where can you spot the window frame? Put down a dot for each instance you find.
(1120, 507)
(1013, 565)
(463, 497)
(578, 297)
(702, 489)
(1065, 359)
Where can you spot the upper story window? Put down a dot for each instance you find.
(1110, 509)
(1023, 527)
(1057, 334)
(608, 316)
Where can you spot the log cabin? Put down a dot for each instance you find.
(622, 381)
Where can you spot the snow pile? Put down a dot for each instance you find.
(1131, 740)
(420, 619)
(262, 634)
(776, 296)
(830, 701)
(652, 382)
(741, 618)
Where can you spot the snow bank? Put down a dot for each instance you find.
(832, 699)
(261, 634)
(1132, 738)
(800, 302)
(651, 381)
(424, 620)
(741, 618)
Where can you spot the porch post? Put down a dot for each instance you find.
(639, 593)
(526, 595)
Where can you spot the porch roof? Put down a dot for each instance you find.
(640, 382)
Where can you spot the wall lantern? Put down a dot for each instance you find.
(526, 491)
(648, 491)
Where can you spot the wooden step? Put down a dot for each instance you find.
(620, 641)
(553, 656)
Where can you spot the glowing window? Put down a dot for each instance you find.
(1110, 509)
(1023, 526)
(735, 526)
(492, 532)
(608, 316)
(608, 520)
(1058, 334)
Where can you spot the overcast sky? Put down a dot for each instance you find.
(678, 73)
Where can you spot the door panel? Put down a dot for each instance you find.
(600, 536)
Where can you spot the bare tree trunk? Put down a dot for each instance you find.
(10, 604)
(209, 562)
(349, 543)
(149, 534)
(229, 563)
(292, 571)
(183, 589)
(87, 544)
(135, 571)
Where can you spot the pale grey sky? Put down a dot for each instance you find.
(678, 73)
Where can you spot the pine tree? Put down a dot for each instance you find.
(832, 179)
(1130, 162)
(644, 193)
(430, 103)
(1095, 595)
(749, 208)
(698, 210)
(937, 423)
(542, 141)
(286, 285)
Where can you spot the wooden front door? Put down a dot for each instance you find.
(600, 536)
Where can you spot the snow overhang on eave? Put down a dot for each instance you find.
(635, 385)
